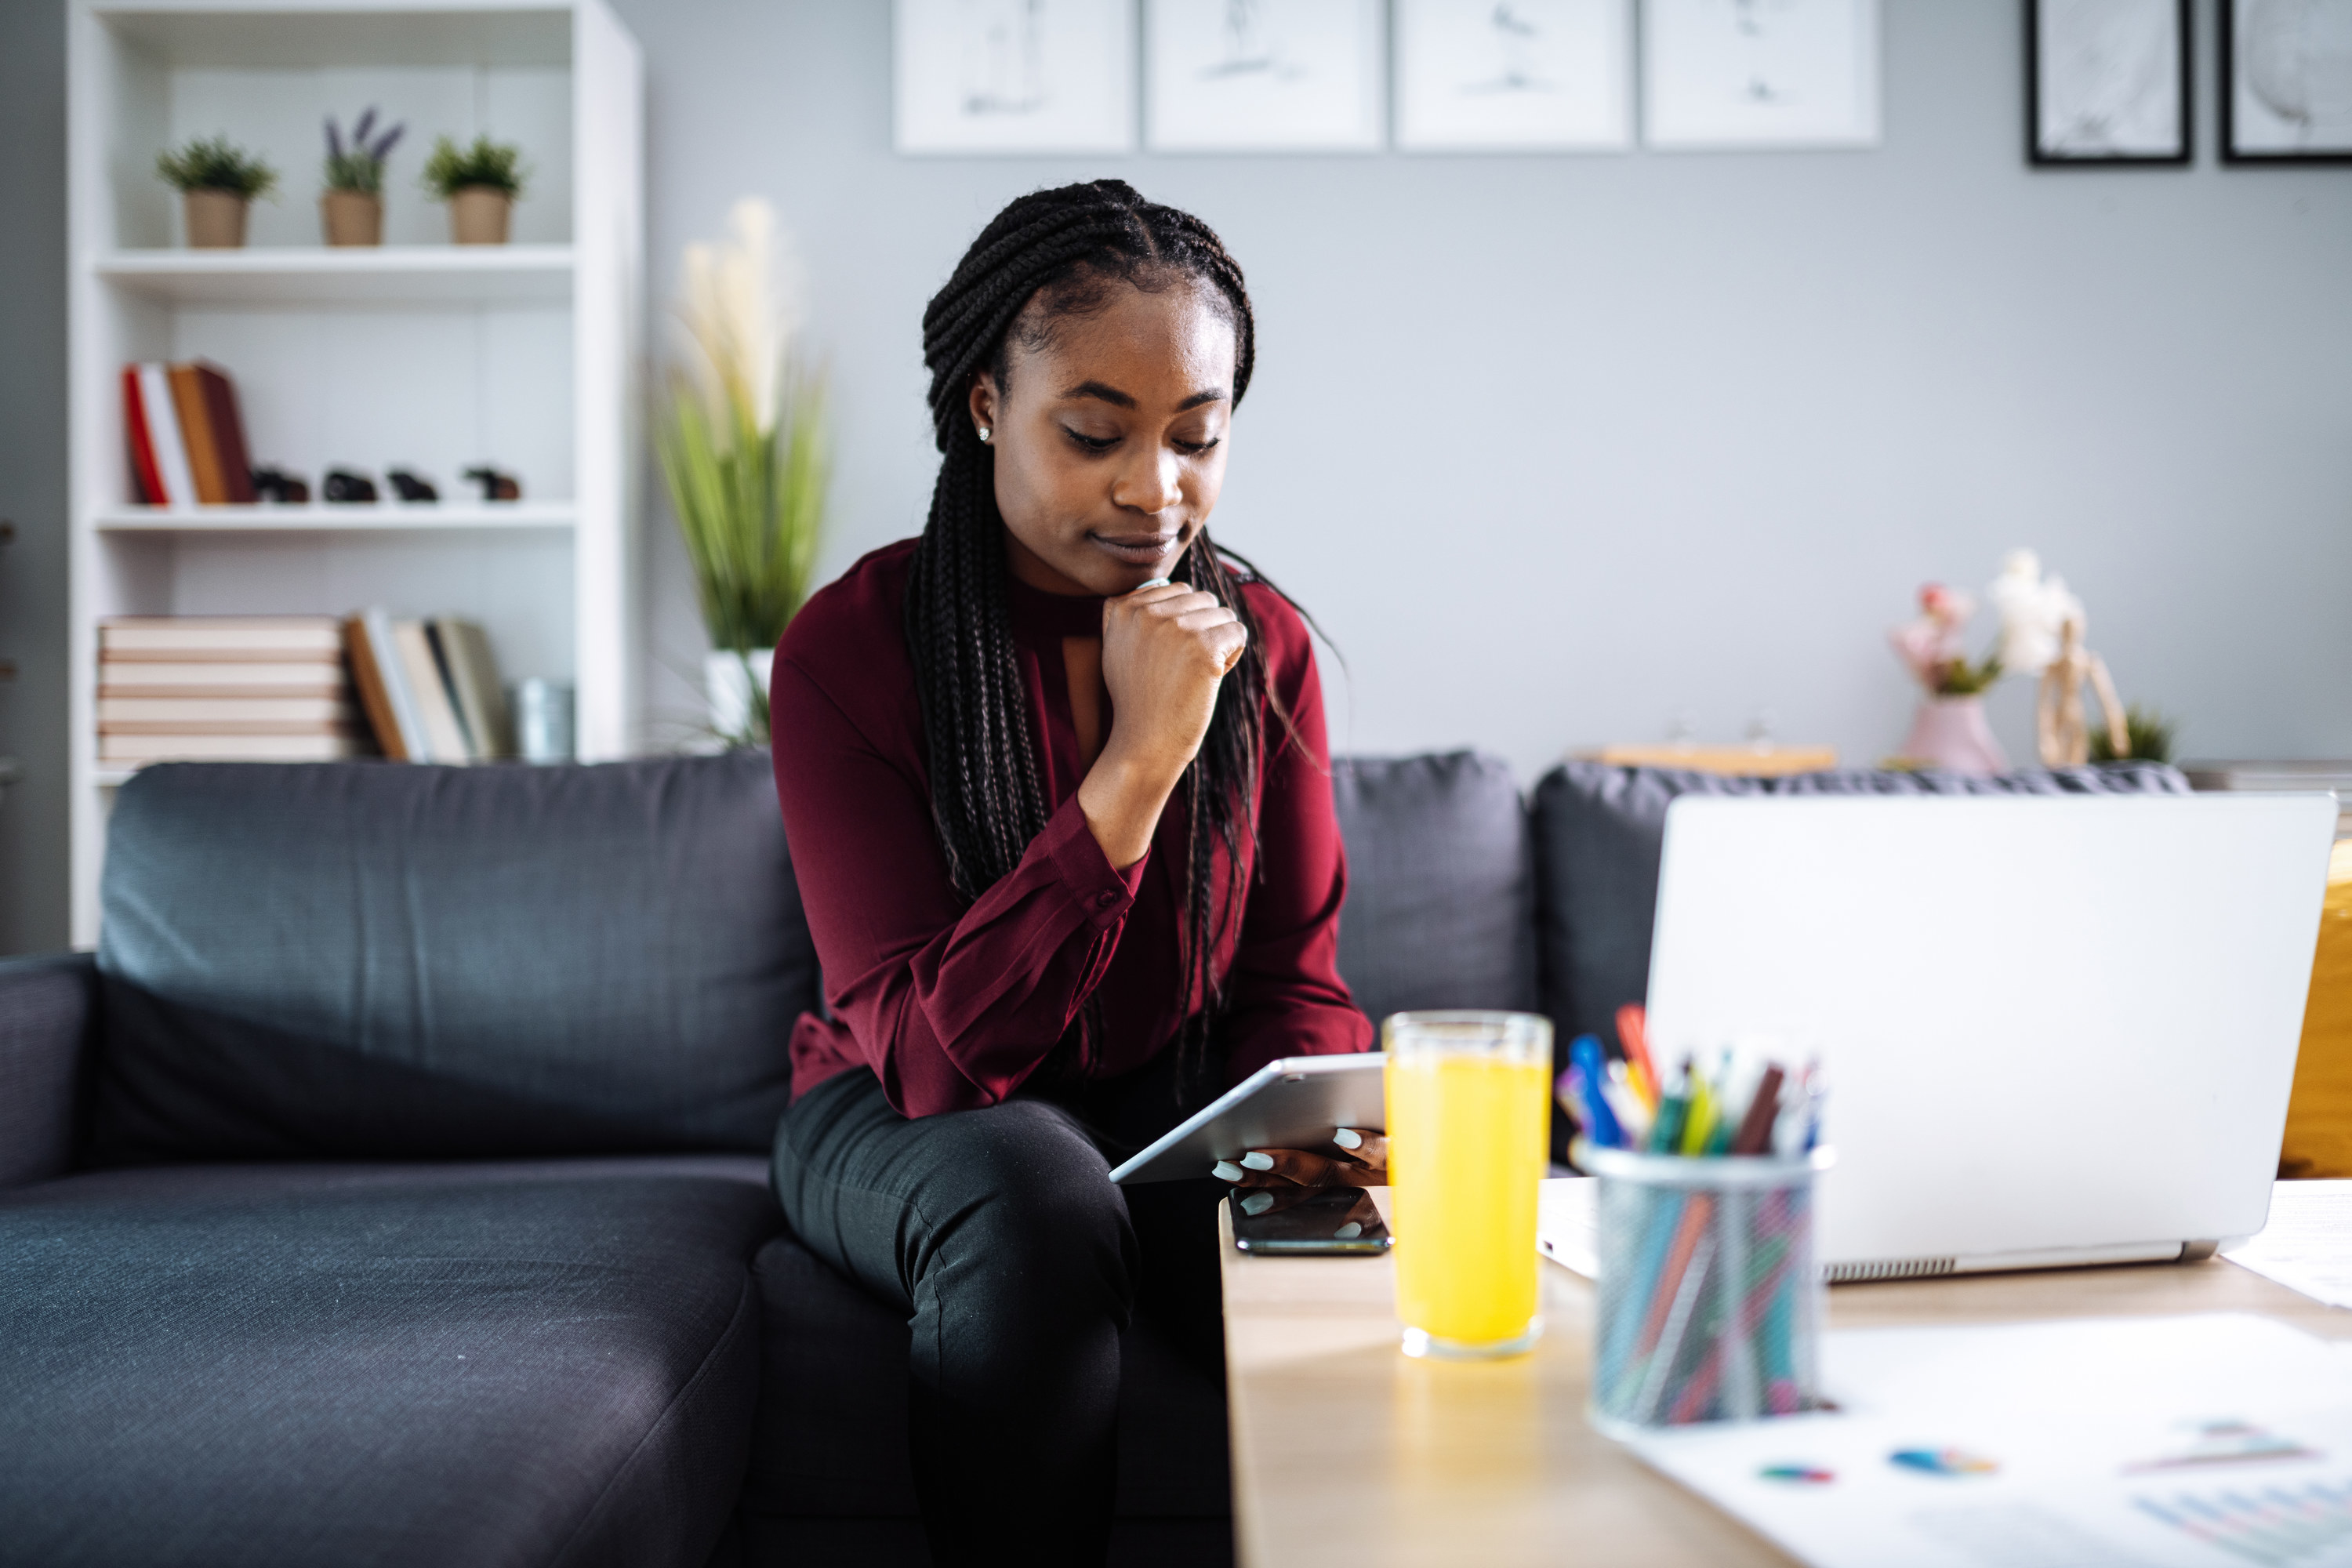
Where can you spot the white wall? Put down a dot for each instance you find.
(1557, 447)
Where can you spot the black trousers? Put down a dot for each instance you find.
(1019, 1263)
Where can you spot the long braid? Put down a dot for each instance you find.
(987, 798)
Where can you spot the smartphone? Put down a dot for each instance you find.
(1310, 1219)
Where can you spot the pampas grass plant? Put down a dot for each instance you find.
(743, 445)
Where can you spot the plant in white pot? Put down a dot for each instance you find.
(742, 444)
(217, 181)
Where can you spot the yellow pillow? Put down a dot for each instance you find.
(2319, 1115)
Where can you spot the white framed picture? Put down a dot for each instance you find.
(1760, 73)
(1014, 76)
(1265, 76)
(1502, 75)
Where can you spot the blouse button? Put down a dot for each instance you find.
(1105, 900)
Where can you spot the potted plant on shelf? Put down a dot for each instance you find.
(742, 447)
(1949, 731)
(480, 183)
(351, 209)
(217, 181)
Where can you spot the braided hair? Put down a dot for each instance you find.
(1062, 248)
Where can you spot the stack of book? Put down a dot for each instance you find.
(430, 688)
(223, 688)
(186, 437)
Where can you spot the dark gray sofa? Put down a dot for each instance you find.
(390, 1188)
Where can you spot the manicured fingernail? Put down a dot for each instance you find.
(1347, 1138)
(1226, 1171)
(1347, 1232)
(1257, 1203)
(1257, 1161)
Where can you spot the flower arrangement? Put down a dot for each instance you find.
(485, 165)
(743, 450)
(216, 163)
(1932, 646)
(359, 167)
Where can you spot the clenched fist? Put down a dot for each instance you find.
(1167, 647)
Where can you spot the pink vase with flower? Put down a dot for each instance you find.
(1950, 731)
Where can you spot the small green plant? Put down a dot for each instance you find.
(487, 165)
(2149, 733)
(1962, 678)
(216, 163)
(359, 167)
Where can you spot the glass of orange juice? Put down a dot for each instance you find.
(1468, 1112)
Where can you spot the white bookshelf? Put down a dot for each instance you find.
(416, 353)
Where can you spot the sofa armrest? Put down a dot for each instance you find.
(49, 1010)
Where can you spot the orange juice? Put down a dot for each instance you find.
(1468, 1107)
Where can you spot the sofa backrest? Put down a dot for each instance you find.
(1599, 833)
(406, 961)
(1441, 887)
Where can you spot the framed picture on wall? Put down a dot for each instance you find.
(1511, 75)
(1760, 73)
(1265, 76)
(2106, 81)
(1014, 76)
(2286, 82)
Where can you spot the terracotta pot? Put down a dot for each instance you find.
(1951, 732)
(352, 217)
(216, 219)
(478, 215)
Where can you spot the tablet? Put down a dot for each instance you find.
(1294, 1103)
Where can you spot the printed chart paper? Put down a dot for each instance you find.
(2191, 1442)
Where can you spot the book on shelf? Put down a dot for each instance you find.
(429, 688)
(134, 751)
(185, 436)
(220, 677)
(464, 652)
(225, 688)
(223, 639)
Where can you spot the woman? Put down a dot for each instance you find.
(1055, 782)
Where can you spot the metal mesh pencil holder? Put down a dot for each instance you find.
(1710, 1304)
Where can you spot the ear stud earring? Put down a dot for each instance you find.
(983, 435)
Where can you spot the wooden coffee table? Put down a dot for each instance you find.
(1348, 1452)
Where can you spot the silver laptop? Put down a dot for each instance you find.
(2058, 1030)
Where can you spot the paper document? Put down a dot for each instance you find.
(2308, 1245)
(2196, 1442)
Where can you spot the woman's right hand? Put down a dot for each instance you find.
(1166, 650)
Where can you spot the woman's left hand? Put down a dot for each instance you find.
(1356, 1159)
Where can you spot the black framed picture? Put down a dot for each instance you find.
(2286, 82)
(2107, 83)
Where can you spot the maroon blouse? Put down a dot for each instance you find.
(953, 1006)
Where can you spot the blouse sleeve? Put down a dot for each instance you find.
(953, 1007)
(1284, 994)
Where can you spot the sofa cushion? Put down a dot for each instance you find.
(544, 1362)
(1600, 835)
(832, 1432)
(1441, 890)
(376, 960)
